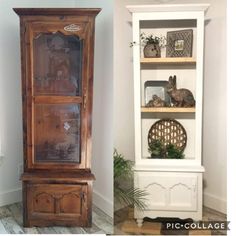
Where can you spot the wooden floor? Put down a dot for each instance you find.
(11, 223)
(126, 225)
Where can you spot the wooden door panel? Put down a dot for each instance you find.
(67, 27)
(43, 203)
(58, 60)
(57, 132)
(72, 203)
(57, 200)
(58, 76)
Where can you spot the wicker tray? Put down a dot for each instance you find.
(169, 131)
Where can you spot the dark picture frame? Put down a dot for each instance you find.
(179, 43)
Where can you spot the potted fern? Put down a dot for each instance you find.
(124, 191)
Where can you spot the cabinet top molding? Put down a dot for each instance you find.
(167, 7)
(56, 11)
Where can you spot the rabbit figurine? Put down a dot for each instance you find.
(179, 97)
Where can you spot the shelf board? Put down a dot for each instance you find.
(168, 109)
(169, 60)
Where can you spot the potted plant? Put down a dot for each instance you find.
(172, 152)
(124, 191)
(157, 149)
(152, 45)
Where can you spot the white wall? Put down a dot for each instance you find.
(10, 100)
(102, 163)
(214, 118)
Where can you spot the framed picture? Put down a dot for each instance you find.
(179, 43)
(158, 88)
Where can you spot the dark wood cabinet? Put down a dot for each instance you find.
(57, 53)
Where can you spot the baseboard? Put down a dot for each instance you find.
(103, 203)
(15, 195)
(209, 200)
(215, 202)
(11, 196)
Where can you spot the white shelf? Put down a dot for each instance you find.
(173, 168)
(168, 109)
(169, 61)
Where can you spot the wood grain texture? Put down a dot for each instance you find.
(102, 223)
(168, 109)
(57, 11)
(58, 177)
(56, 193)
(4, 212)
(15, 210)
(147, 228)
(56, 99)
(61, 230)
(11, 226)
(58, 204)
(2, 229)
(169, 60)
(127, 225)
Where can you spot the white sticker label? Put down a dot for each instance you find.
(72, 28)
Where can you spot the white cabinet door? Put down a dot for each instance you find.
(169, 191)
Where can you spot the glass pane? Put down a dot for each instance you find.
(57, 64)
(57, 133)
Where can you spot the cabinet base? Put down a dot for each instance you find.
(57, 201)
(139, 216)
(170, 194)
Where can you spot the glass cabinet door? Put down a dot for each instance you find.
(57, 62)
(57, 133)
(58, 87)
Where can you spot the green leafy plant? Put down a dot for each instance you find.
(159, 150)
(123, 176)
(156, 148)
(150, 39)
(172, 152)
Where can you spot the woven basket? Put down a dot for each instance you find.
(169, 131)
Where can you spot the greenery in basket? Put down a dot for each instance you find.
(159, 150)
(172, 152)
(151, 39)
(123, 177)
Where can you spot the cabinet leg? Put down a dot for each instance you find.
(140, 222)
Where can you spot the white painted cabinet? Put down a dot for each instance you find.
(175, 191)
(174, 185)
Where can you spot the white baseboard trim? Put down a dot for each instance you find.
(103, 203)
(11, 196)
(214, 202)
(15, 195)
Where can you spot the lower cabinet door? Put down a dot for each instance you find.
(169, 191)
(57, 202)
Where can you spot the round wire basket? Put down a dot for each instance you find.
(168, 131)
